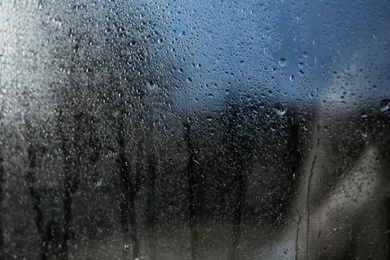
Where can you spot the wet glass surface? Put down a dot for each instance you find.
(194, 129)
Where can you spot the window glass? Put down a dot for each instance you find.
(194, 129)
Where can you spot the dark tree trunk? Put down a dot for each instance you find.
(130, 190)
(31, 179)
(193, 186)
(238, 179)
(1, 204)
(151, 215)
(71, 152)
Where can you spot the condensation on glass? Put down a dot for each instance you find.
(194, 129)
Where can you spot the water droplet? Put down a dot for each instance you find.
(384, 105)
(280, 110)
(363, 115)
(126, 247)
(282, 62)
(292, 78)
(209, 118)
(151, 86)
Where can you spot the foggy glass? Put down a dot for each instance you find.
(194, 129)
